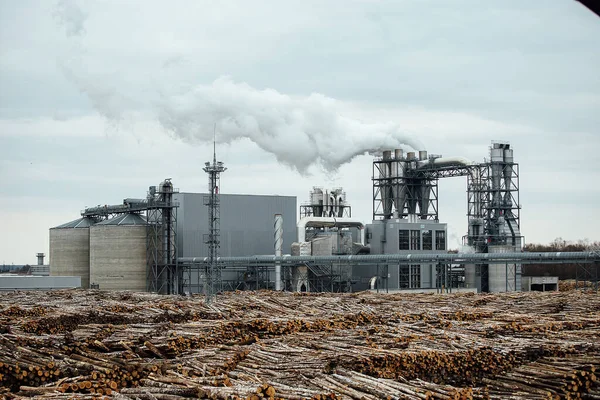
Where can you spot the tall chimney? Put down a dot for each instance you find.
(278, 248)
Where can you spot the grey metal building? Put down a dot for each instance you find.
(246, 228)
(246, 223)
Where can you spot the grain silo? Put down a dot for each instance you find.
(70, 250)
(118, 253)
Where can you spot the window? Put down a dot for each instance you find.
(427, 240)
(404, 278)
(440, 240)
(415, 240)
(403, 240)
(415, 276)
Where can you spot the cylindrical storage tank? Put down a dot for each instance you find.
(398, 154)
(422, 155)
(70, 250)
(497, 155)
(317, 201)
(118, 253)
(501, 278)
(387, 154)
(508, 156)
(508, 159)
(471, 280)
(410, 155)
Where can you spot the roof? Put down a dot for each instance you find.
(78, 223)
(125, 220)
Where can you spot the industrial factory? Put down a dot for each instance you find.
(174, 242)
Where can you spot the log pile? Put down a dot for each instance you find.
(571, 284)
(265, 345)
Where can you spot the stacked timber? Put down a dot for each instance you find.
(572, 284)
(265, 345)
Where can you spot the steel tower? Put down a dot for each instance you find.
(212, 274)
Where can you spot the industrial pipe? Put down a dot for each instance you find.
(585, 257)
(278, 248)
(445, 161)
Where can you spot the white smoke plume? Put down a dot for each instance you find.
(71, 17)
(299, 131)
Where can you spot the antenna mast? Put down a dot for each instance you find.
(212, 276)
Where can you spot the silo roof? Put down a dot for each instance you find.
(78, 223)
(125, 219)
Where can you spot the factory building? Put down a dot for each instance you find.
(405, 221)
(113, 247)
(326, 228)
(137, 245)
(494, 219)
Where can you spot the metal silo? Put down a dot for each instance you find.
(118, 253)
(70, 250)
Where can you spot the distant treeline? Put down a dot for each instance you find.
(563, 271)
(14, 269)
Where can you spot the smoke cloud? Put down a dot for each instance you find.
(465, 249)
(299, 131)
(70, 17)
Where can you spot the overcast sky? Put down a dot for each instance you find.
(101, 99)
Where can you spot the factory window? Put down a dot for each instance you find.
(427, 240)
(403, 240)
(415, 276)
(440, 240)
(415, 240)
(404, 277)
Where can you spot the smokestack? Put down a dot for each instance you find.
(40, 257)
(278, 248)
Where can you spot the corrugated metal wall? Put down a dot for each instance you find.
(246, 224)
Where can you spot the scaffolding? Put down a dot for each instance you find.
(494, 208)
(164, 276)
(407, 188)
(254, 278)
(162, 272)
(317, 277)
(588, 274)
(326, 203)
(400, 191)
